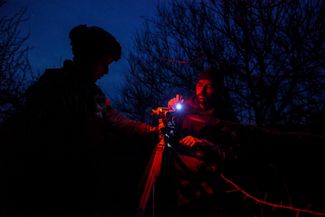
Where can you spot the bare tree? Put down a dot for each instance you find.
(279, 51)
(15, 69)
(270, 56)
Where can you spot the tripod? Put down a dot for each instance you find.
(154, 166)
(167, 134)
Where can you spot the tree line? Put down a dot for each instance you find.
(269, 56)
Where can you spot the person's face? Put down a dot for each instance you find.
(101, 67)
(205, 91)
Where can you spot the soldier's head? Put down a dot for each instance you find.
(206, 87)
(94, 49)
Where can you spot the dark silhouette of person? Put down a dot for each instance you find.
(57, 144)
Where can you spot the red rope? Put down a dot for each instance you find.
(257, 200)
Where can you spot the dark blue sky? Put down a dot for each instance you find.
(49, 23)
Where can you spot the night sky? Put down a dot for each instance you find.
(50, 21)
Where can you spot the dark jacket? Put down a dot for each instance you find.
(189, 175)
(219, 135)
(60, 144)
(63, 101)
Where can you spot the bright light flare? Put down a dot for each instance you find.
(179, 106)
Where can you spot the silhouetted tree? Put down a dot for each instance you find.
(15, 69)
(270, 56)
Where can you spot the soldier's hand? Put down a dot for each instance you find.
(158, 128)
(191, 141)
(173, 102)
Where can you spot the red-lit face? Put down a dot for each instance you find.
(101, 67)
(205, 91)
